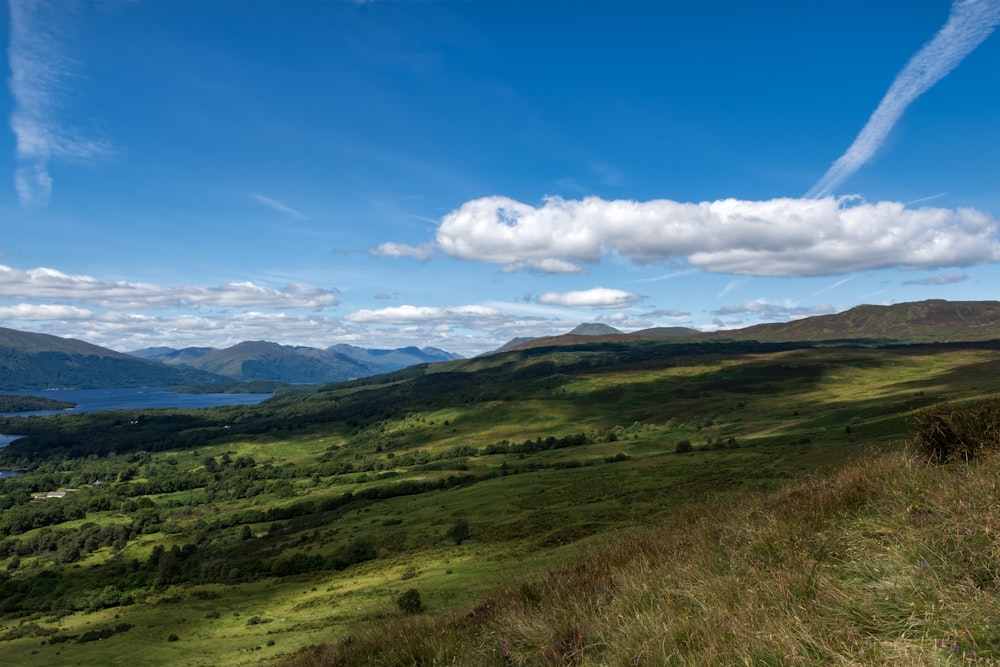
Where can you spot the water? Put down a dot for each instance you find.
(129, 398)
(4, 441)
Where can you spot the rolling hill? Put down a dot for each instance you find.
(621, 497)
(40, 361)
(931, 321)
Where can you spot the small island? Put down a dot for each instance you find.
(17, 403)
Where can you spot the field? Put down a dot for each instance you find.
(245, 535)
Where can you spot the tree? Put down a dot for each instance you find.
(409, 602)
(458, 532)
(683, 447)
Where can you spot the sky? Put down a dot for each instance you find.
(458, 174)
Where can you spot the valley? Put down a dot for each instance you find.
(493, 487)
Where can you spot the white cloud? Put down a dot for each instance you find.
(667, 313)
(50, 284)
(598, 297)
(833, 285)
(777, 237)
(969, 23)
(41, 312)
(421, 252)
(940, 279)
(775, 311)
(39, 72)
(733, 284)
(426, 315)
(277, 205)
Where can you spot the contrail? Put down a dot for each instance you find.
(969, 23)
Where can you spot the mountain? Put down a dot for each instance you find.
(261, 360)
(40, 361)
(593, 329)
(391, 360)
(931, 321)
(168, 355)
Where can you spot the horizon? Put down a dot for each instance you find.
(457, 175)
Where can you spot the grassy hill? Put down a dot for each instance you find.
(629, 502)
(931, 321)
(39, 361)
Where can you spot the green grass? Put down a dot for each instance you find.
(790, 414)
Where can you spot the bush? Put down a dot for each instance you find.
(946, 433)
(459, 532)
(172, 638)
(409, 602)
(683, 447)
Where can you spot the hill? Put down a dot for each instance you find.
(928, 321)
(914, 322)
(40, 361)
(261, 360)
(593, 329)
(612, 502)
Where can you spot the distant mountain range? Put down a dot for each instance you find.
(261, 360)
(932, 321)
(39, 361)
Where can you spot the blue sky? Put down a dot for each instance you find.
(458, 174)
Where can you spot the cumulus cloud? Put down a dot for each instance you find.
(598, 297)
(426, 314)
(39, 71)
(390, 249)
(50, 284)
(41, 312)
(940, 279)
(969, 23)
(777, 237)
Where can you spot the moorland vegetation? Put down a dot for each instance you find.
(633, 502)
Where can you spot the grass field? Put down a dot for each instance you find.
(758, 423)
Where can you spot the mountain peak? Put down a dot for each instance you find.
(594, 329)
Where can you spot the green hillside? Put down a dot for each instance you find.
(931, 321)
(39, 361)
(604, 503)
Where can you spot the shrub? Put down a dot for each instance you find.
(946, 433)
(409, 602)
(683, 447)
(172, 638)
(459, 532)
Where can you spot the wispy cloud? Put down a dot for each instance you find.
(667, 313)
(733, 284)
(921, 200)
(422, 252)
(777, 237)
(833, 285)
(39, 72)
(665, 276)
(277, 205)
(597, 297)
(940, 279)
(774, 311)
(969, 23)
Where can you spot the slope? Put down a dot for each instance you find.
(40, 361)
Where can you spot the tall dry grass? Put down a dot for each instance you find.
(887, 561)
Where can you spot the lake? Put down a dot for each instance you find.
(130, 398)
